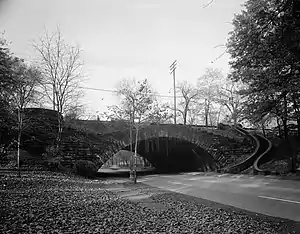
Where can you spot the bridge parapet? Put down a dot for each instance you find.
(153, 137)
(211, 140)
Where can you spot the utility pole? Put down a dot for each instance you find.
(172, 70)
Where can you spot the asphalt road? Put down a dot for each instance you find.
(266, 195)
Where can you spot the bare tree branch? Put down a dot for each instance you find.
(208, 4)
(61, 67)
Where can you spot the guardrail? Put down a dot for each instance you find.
(248, 162)
(264, 157)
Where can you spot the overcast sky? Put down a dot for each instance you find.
(127, 38)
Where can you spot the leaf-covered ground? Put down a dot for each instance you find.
(54, 203)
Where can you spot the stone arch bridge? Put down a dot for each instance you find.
(166, 146)
(175, 147)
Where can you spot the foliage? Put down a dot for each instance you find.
(53, 164)
(136, 99)
(85, 168)
(6, 72)
(265, 48)
(160, 113)
(6, 86)
(52, 151)
(18, 83)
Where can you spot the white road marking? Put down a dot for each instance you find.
(174, 182)
(237, 176)
(280, 199)
(250, 185)
(222, 175)
(212, 181)
(194, 173)
(167, 176)
(143, 180)
(193, 179)
(178, 189)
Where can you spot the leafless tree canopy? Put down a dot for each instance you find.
(61, 67)
(230, 98)
(208, 86)
(189, 98)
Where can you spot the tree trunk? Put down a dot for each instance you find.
(131, 142)
(234, 117)
(20, 125)
(136, 142)
(206, 111)
(284, 119)
(206, 117)
(18, 153)
(130, 137)
(219, 114)
(60, 129)
(53, 97)
(184, 117)
(298, 126)
(279, 127)
(293, 155)
(135, 152)
(296, 109)
(210, 121)
(263, 129)
(145, 162)
(285, 128)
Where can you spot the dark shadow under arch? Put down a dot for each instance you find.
(169, 154)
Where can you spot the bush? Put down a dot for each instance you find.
(222, 126)
(52, 151)
(53, 164)
(85, 168)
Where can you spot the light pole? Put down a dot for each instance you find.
(172, 70)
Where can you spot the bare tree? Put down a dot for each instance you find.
(195, 112)
(230, 98)
(189, 97)
(161, 113)
(61, 67)
(137, 100)
(207, 4)
(208, 86)
(137, 106)
(24, 94)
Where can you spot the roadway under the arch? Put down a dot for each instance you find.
(169, 154)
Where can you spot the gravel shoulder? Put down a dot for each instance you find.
(54, 203)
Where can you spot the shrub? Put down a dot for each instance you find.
(53, 164)
(52, 151)
(85, 168)
(222, 126)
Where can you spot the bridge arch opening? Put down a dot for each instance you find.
(170, 154)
